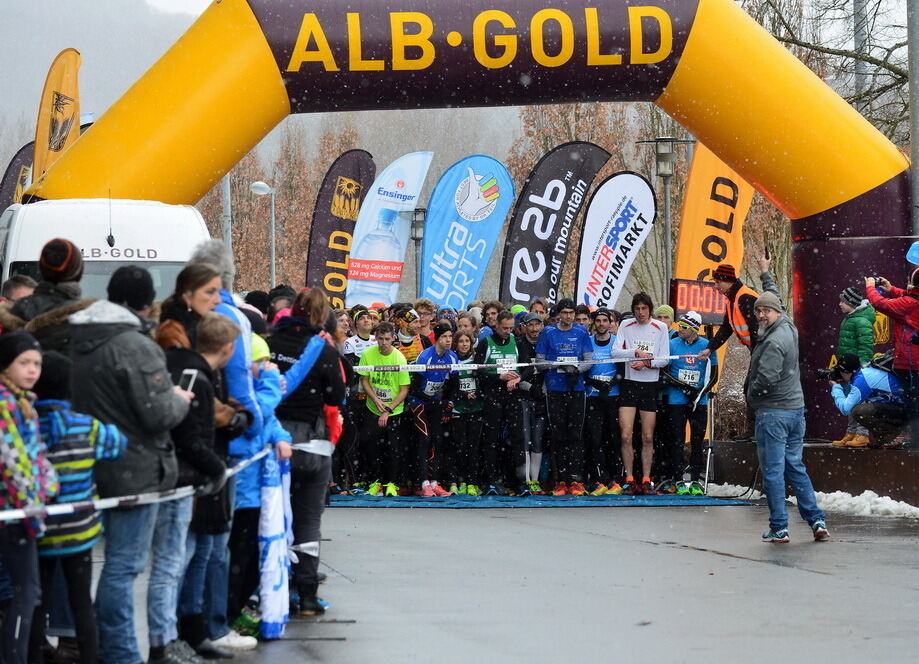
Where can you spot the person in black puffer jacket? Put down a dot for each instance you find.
(315, 378)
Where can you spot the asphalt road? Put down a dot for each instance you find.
(630, 584)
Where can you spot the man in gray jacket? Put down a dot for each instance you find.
(774, 394)
(120, 377)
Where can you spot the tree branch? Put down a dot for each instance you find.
(892, 68)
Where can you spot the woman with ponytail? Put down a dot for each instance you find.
(303, 347)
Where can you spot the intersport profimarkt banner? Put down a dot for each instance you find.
(619, 218)
(549, 202)
(465, 214)
(334, 217)
(382, 232)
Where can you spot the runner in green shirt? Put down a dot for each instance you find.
(381, 433)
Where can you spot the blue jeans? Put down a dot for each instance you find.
(167, 569)
(780, 446)
(128, 537)
(204, 588)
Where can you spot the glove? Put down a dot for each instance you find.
(333, 422)
(213, 485)
(602, 386)
(241, 420)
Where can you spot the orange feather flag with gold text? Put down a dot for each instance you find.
(58, 123)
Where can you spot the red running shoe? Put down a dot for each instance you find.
(576, 489)
(561, 489)
(439, 491)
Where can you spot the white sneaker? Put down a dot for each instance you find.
(233, 640)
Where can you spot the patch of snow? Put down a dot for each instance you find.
(867, 504)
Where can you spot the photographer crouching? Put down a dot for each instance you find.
(872, 396)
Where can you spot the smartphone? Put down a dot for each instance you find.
(768, 254)
(187, 380)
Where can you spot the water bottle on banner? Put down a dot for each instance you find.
(383, 245)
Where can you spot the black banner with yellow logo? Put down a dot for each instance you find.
(17, 176)
(372, 54)
(334, 216)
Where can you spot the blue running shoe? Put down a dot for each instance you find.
(776, 536)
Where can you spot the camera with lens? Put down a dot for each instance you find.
(829, 374)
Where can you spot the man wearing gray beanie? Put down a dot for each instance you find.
(774, 393)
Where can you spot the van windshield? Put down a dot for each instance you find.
(96, 275)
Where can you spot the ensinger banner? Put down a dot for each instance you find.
(619, 218)
(382, 232)
(334, 217)
(465, 215)
(539, 232)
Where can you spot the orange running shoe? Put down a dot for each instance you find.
(560, 489)
(577, 489)
(440, 492)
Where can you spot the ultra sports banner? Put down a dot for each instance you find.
(334, 218)
(619, 218)
(715, 206)
(382, 232)
(537, 239)
(465, 215)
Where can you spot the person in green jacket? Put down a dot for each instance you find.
(856, 336)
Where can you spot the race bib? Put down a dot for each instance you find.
(689, 376)
(505, 364)
(565, 360)
(433, 389)
(384, 394)
(467, 384)
(643, 346)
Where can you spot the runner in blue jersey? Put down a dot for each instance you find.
(425, 403)
(568, 343)
(688, 381)
(601, 421)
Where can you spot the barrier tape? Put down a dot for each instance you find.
(415, 368)
(57, 509)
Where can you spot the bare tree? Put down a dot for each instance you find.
(858, 46)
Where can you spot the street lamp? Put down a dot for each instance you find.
(261, 189)
(418, 217)
(665, 159)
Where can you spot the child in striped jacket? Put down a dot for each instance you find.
(74, 443)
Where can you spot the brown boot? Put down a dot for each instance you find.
(844, 441)
(859, 440)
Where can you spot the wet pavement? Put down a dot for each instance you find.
(643, 584)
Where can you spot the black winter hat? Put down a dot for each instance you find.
(14, 344)
(259, 300)
(281, 290)
(565, 303)
(131, 286)
(60, 261)
(849, 363)
(54, 382)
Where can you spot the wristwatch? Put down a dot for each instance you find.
(387, 409)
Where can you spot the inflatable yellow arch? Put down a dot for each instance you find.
(244, 66)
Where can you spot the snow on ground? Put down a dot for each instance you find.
(866, 504)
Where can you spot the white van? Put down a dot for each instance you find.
(109, 232)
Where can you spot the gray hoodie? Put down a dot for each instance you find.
(119, 376)
(775, 376)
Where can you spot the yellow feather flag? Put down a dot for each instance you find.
(58, 123)
(715, 206)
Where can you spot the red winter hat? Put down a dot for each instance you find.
(725, 272)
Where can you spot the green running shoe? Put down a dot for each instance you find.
(472, 490)
(695, 489)
(391, 490)
(462, 488)
(376, 488)
(453, 488)
(682, 489)
(248, 623)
